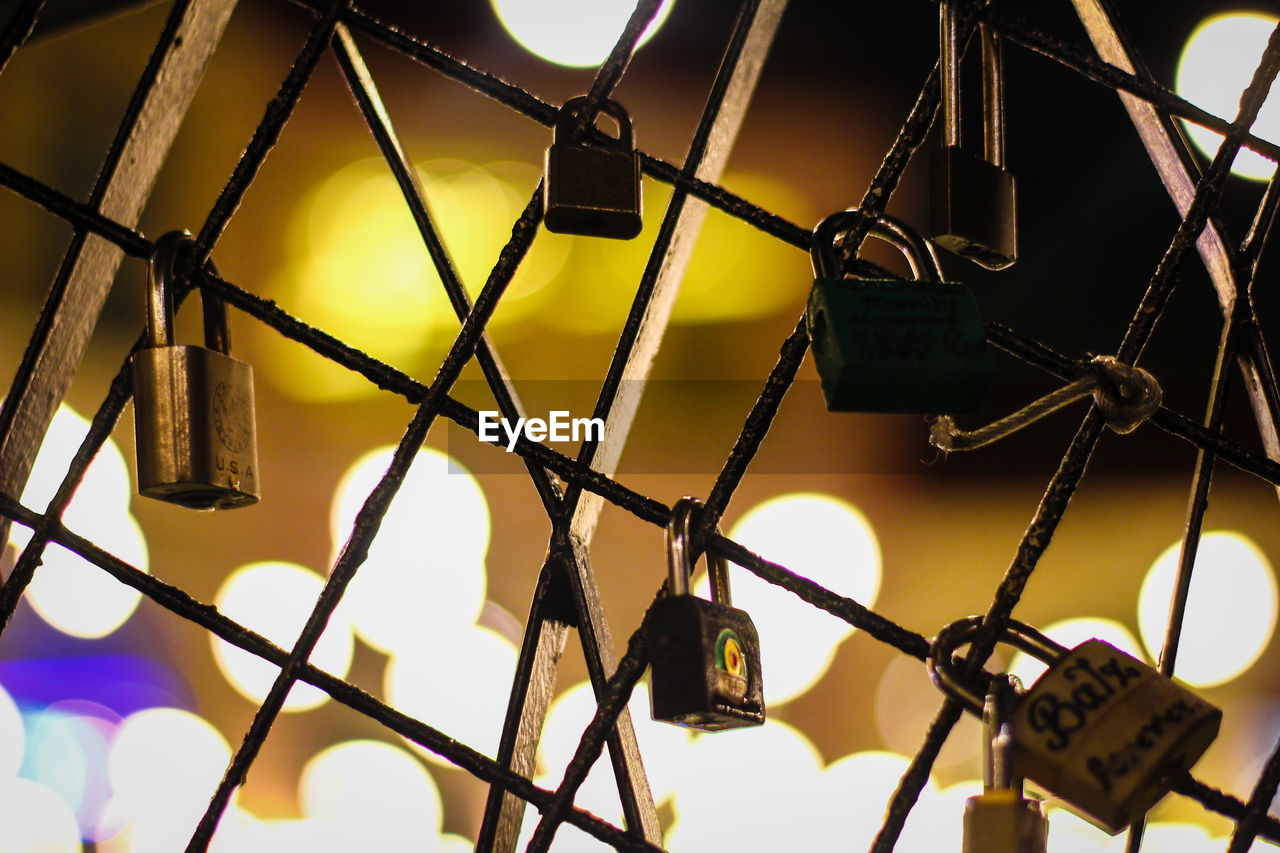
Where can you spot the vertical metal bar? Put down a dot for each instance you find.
(992, 96)
(1179, 173)
(89, 266)
(545, 635)
(949, 62)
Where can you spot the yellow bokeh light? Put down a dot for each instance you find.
(459, 686)
(735, 273)
(576, 33)
(1071, 633)
(405, 592)
(275, 599)
(375, 794)
(357, 267)
(1216, 65)
(1231, 609)
(819, 537)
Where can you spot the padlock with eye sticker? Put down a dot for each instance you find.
(704, 655)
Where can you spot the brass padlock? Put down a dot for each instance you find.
(193, 407)
(1001, 819)
(704, 655)
(973, 209)
(889, 345)
(1100, 729)
(592, 188)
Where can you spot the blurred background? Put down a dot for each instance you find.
(117, 717)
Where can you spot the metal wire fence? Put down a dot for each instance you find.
(566, 579)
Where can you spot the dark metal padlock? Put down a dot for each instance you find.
(592, 188)
(1001, 819)
(704, 655)
(889, 345)
(973, 209)
(1100, 729)
(193, 407)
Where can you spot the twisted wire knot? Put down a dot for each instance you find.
(1125, 395)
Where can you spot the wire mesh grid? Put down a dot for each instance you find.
(566, 579)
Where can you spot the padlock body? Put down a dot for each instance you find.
(1001, 821)
(592, 190)
(973, 207)
(705, 665)
(194, 427)
(888, 345)
(1109, 734)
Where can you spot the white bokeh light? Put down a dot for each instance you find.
(662, 746)
(105, 487)
(275, 599)
(819, 537)
(754, 788)
(867, 778)
(77, 597)
(459, 687)
(424, 576)
(164, 764)
(1216, 65)
(35, 820)
(67, 591)
(1231, 608)
(576, 33)
(374, 794)
(1071, 633)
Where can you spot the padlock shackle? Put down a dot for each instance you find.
(563, 132)
(992, 84)
(680, 559)
(948, 677)
(919, 252)
(997, 764)
(168, 252)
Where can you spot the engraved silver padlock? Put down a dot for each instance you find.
(1100, 729)
(592, 188)
(973, 207)
(1001, 819)
(193, 406)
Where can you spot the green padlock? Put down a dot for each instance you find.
(890, 345)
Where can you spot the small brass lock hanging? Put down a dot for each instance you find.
(1100, 729)
(592, 188)
(889, 345)
(193, 406)
(1001, 819)
(973, 209)
(704, 655)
